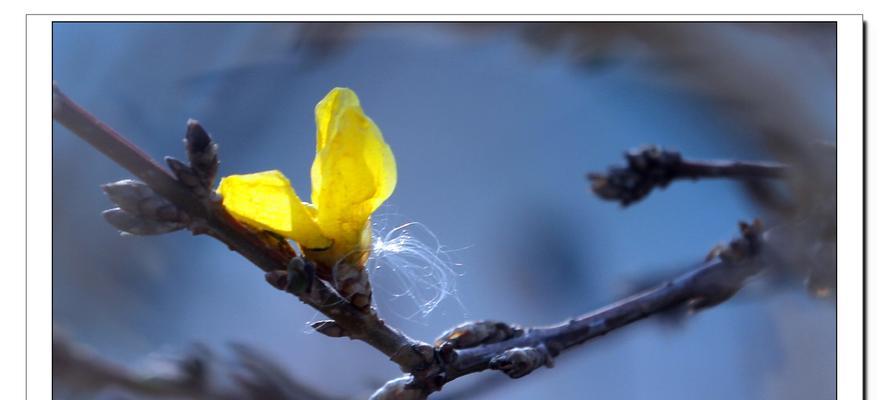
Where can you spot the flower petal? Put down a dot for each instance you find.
(327, 111)
(265, 200)
(354, 170)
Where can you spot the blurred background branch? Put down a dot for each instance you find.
(200, 374)
(652, 167)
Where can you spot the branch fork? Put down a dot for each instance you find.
(165, 201)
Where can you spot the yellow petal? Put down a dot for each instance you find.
(326, 111)
(353, 173)
(265, 200)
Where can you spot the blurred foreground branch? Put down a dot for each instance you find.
(249, 376)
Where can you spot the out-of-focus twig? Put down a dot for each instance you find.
(255, 376)
(77, 369)
(651, 167)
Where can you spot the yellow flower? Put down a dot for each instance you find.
(352, 175)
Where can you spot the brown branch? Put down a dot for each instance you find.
(651, 167)
(471, 347)
(209, 217)
(729, 169)
(518, 351)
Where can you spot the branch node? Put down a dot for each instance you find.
(739, 259)
(409, 355)
(446, 352)
(353, 283)
(300, 275)
(520, 361)
(198, 176)
(475, 333)
(745, 247)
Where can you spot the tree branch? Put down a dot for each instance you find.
(194, 376)
(209, 217)
(475, 346)
(651, 167)
(518, 351)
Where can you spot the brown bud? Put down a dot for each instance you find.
(137, 225)
(300, 276)
(329, 328)
(646, 168)
(139, 199)
(278, 279)
(353, 284)
(471, 334)
(745, 247)
(188, 177)
(521, 361)
(202, 153)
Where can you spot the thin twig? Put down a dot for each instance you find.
(730, 169)
(518, 351)
(652, 167)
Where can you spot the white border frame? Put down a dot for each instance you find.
(850, 188)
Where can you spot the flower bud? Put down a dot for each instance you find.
(138, 225)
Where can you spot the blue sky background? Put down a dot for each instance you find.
(493, 139)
